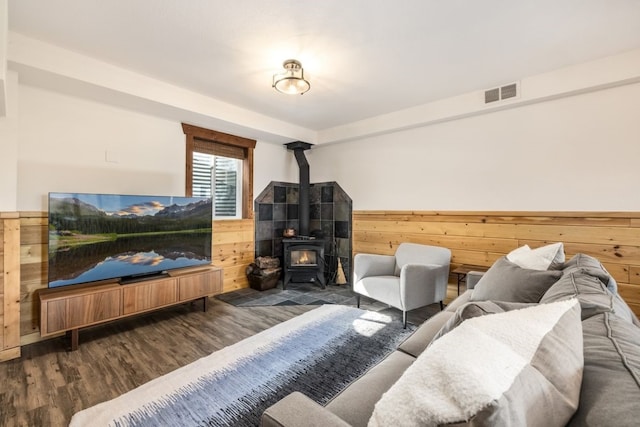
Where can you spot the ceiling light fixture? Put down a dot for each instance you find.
(292, 81)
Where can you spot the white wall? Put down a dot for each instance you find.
(576, 153)
(272, 162)
(570, 143)
(64, 142)
(4, 31)
(9, 148)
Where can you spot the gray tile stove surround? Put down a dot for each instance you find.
(330, 211)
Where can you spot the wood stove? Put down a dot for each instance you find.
(303, 261)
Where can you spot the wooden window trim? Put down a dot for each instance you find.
(229, 146)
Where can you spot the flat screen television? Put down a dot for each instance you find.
(94, 237)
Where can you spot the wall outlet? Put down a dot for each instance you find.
(111, 156)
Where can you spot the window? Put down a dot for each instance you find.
(220, 166)
(221, 178)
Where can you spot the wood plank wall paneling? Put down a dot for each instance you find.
(479, 238)
(9, 286)
(233, 250)
(33, 266)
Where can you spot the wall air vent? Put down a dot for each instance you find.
(491, 95)
(509, 91)
(501, 93)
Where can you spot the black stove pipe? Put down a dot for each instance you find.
(299, 148)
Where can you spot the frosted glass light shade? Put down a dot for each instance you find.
(292, 81)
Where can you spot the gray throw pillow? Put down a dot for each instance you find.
(505, 281)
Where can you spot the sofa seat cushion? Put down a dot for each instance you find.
(505, 281)
(522, 367)
(460, 301)
(417, 342)
(422, 337)
(297, 409)
(610, 393)
(355, 403)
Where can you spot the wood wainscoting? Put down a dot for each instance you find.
(233, 250)
(9, 286)
(479, 238)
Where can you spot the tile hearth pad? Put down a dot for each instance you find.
(295, 294)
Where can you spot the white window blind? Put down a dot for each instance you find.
(219, 177)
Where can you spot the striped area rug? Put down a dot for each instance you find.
(317, 353)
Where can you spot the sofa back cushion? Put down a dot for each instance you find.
(422, 337)
(593, 267)
(579, 283)
(585, 278)
(521, 367)
(610, 394)
(505, 281)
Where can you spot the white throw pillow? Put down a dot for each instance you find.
(542, 258)
(521, 367)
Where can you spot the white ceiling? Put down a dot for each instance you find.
(364, 58)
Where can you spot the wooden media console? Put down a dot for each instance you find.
(71, 308)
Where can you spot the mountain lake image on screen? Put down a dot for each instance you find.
(94, 237)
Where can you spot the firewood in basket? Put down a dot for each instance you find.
(267, 271)
(267, 262)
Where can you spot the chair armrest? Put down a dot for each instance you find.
(365, 265)
(422, 284)
(423, 272)
(473, 277)
(298, 410)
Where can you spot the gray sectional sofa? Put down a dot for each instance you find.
(603, 378)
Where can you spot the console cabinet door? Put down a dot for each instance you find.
(201, 285)
(69, 313)
(147, 296)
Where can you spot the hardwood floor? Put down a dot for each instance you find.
(48, 384)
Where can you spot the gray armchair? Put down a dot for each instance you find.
(416, 276)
